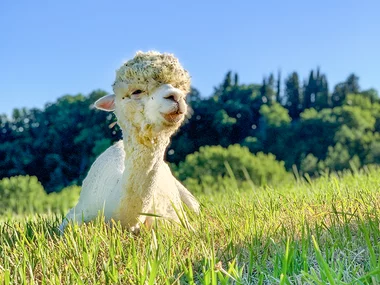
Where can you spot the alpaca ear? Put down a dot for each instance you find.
(106, 103)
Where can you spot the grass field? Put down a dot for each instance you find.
(324, 231)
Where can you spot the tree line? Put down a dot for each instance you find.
(303, 124)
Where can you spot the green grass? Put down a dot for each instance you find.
(310, 232)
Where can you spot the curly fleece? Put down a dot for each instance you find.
(152, 69)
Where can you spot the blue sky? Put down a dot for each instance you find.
(52, 48)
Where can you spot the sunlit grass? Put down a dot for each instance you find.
(318, 232)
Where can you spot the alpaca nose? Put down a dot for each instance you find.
(173, 96)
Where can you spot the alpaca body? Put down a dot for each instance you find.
(104, 188)
(130, 182)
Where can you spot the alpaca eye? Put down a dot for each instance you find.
(137, 92)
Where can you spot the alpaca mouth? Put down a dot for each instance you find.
(173, 117)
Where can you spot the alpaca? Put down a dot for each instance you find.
(131, 178)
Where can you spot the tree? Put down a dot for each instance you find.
(341, 90)
(309, 91)
(275, 115)
(267, 91)
(271, 94)
(227, 80)
(338, 158)
(316, 92)
(65, 132)
(293, 96)
(236, 79)
(371, 94)
(275, 130)
(339, 94)
(278, 92)
(322, 93)
(352, 83)
(264, 91)
(309, 164)
(194, 95)
(71, 134)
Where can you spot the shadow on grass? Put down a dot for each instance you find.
(339, 248)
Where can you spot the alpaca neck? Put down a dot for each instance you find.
(144, 154)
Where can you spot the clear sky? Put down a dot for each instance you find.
(51, 48)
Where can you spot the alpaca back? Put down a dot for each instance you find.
(101, 188)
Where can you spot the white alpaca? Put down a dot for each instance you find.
(130, 178)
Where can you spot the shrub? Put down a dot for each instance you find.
(211, 163)
(60, 202)
(21, 194)
(26, 195)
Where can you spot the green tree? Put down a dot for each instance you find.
(227, 80)
(309, 164)
(275, 115)
(352, 83)
(371, 94)
(271, 93)
(293, 95)
(65, 133)
(59, 143)
(323, 99)
(341, 90)
(310, 91)
(264, 91)
(316, 92)
(278, 88)
(338, 158)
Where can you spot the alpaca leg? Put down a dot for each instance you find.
(149, 222)
(71, 217)
(75, 216)
(187, 197)
(136, 228)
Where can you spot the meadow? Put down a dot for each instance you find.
(321, 231)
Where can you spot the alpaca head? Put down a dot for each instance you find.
(150, 92)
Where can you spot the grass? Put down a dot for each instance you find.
(324, 231)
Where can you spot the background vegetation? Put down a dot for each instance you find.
(300, 123)
(22, 195)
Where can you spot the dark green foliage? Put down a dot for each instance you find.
(278, 86)
(267, 90)
(316, 92)
(293, 96)
(309, 94)
(55, 144)
(341, 90)
(226, 118)
(304, 126)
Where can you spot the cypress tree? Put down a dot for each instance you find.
(322, 95)
(270, 89)
(278, 93)
(236, 79)
(293, 95)
(263, 91)
(352, 83)
(310, 91)
(227, 81)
